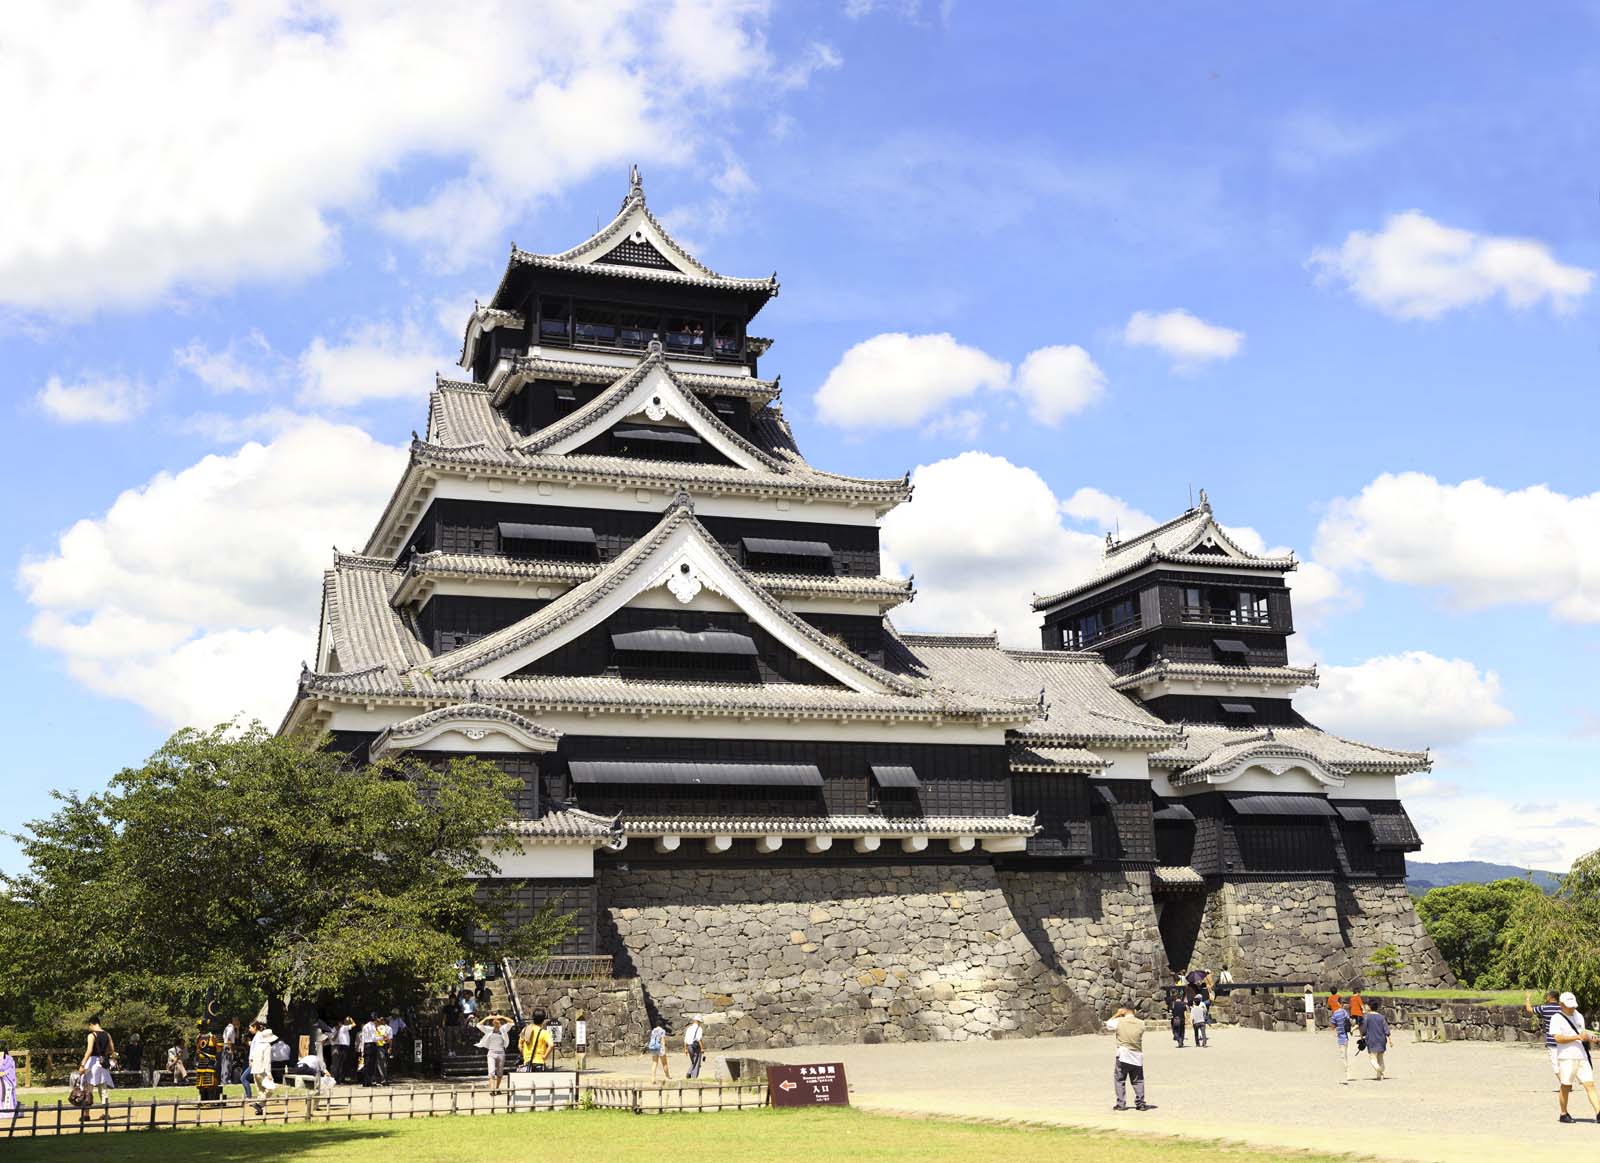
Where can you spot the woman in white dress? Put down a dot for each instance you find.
(98, 1050)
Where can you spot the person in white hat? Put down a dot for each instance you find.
(1573, 1061)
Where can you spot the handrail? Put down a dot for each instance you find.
(566, 965)
(1210, 617)
(511, 989)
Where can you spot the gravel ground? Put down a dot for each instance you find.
(1459, 1101)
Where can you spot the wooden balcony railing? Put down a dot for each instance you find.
(1210, 617)
(1112, 630)
(566, 966)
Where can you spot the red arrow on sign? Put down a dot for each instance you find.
(787, 1085)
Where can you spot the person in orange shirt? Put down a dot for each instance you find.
(1333, 1000)
(1358, 1008)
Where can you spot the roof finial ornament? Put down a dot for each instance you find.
(1205, 502)
(654, 347)
(1110, 541)
(635, 185)
(682, 500)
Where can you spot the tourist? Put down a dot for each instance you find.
(1572, 1053)
(657, 1049)
(694, 1046)
(342, 1035)
(1339, 1023)
(309, 1065)
(544, 1042)
(1550, 1008)
(527, 1043)
(1179, 1011)
(469, 1007)
(98, 1049)
(1309, 1000)
(369, 1052)
(176, 1070)
(259, 1070)
(1375, 1029)
(9, 1106)
(397, 1048)
(1357, 1007)
(1200, 1019)
(493, 1044)
(384, 1043)
(133, 1056)
(1334, 1000)
(230, 1043)
(1129, 1063)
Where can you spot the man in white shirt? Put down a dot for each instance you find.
(1129, 1065)
(230, 1041)
(369, 1051)
(1573, 1063)
(693, 1044)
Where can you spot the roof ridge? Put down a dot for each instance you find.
(987, 641)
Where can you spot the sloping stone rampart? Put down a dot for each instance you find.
(785, 956)
(1281, 930)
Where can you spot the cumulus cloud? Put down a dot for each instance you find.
(1188, 341)
(895, 380)
(377, 360)
(195, 594)
(1110, 514)
(1414, 700)
(229, 142)
(1417, 268)
(983, 536)
(1480, 544)
(1459, 823)
(93, 400)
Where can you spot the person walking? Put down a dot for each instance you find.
(1200, 1019)
(656, 1047)
(259, 1070)
(1339, 1023)
(496, 1038)
(1572, 1053)
(1357, 1007)
(1179, 1012)
(9, 1105)
(694, 1046)
(1375, 1029)
(1129, 1062)
(1309, 999)
(1549, 1009)
(98, 1049)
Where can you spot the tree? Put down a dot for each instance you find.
(1385, 960)
(253, 865)
(1554, 942)
(1465, 922)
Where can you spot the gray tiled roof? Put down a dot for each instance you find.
(1210, 747)
(882, 590)
(545, 366)
(569, 824)
(1026, 756)
(1081, 708)
(417, 725)
(493, 316)
(1172, 542)
(365, 630)
(846, 825)
(1163, 668)
(1174, 876)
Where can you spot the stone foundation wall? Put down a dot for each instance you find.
(1320, 930)
(785, 956)
(617, 1012)
(1463, 1020)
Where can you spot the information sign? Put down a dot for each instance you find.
(815, 1085)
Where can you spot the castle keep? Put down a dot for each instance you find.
(608, 569)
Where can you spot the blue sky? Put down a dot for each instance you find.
(236, 245)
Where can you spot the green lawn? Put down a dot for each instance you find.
(603, 1136)
(1488, 997)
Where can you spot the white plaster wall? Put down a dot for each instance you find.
(549, 861)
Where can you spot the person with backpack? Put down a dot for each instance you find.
(98, 1049)
(656, 1047)
(694, 1046)
(1574, 1062)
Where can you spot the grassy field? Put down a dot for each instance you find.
(598, 1136)
(1488, 997)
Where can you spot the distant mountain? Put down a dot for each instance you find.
(1421, 876)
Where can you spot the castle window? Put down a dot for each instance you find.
(555, 316)
(780, 556)
(686, 334)
(564, 542)
(596, 326)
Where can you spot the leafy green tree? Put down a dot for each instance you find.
(1553, 942)
(255, 866)
(1465, 922)
(1385, 961)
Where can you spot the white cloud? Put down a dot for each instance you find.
(1413, 700)
(1187, 340)
(93, 400)
(247, 365)
(1416, 268)
(983, 536)
(1110, 514)
(232, 430)
(229, 142)
(195, 594)
(1457, 823)
(1482, 545)
(379, 360)
(819, 57)
(897, 380)
(1058, 381)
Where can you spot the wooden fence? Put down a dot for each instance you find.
(369, 1106)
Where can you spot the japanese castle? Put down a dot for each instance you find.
(608, 569)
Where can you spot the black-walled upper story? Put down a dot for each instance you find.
(1171, 600)
(540, 403)
(459, 526)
